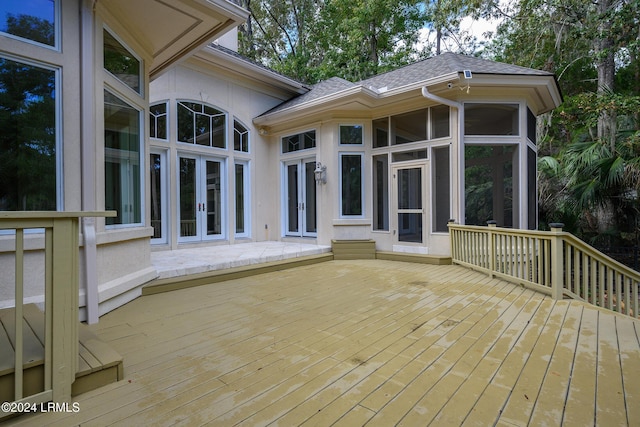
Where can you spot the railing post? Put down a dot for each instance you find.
(65, 306)
(492, 247)
(452, 240)
(557, 264)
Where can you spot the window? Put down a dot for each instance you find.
(28, 137)
(491, 119)
(120, 62)
(240, 137)
(490, 181)
(30, 20)
(158, 203)
(351, 184)
(441, 189)
(158, 121)
(122, 151)
(241, 199)
(440, 122)
(531, 126)
(381, 132)
(202, 125)
(405, 156)
(350, 135)
(409, 127)
(301, 141)
(532, 189)
(381, 192)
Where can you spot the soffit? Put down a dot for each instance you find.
(170, 30)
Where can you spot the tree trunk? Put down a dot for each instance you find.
(604, 49)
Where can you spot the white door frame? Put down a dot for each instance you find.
(300, 206)
(415, 207)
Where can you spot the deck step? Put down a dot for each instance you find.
(98, 364)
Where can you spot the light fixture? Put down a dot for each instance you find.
(320, 173)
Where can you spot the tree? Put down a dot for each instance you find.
(314, 40)
(588, 172)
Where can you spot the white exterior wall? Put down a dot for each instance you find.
(243, 99)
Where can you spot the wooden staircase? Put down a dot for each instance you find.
(98, 364)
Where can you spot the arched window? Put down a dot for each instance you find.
(202, 125)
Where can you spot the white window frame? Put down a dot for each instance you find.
(341, 125)
(164, 190)
(57, 21)
(247, 198)
(142, 155)
(362, 184)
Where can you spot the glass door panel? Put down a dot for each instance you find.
(309, 206)
(293, 206)
(214, 199)
(158, 196)
(188, 194)
(300, 193)
(201, 192)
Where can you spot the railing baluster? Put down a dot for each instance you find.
(19, 295)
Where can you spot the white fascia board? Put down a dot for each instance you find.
(445, 78)
(362, 94)
(365, 95)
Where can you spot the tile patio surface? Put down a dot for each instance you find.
(370, 342)
(207, 258)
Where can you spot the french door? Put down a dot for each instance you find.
(409, 198)
(201, 190)
(300, 198)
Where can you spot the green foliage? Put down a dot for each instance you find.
(314, 40)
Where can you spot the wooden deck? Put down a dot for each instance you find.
(359, 342)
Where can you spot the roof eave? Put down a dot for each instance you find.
(253, 71)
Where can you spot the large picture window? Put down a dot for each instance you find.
(33, 20)
(28, 137)
(122, 146)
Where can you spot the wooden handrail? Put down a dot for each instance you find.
(554, 262)
(61, 278)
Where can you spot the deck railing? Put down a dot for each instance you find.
(60, 231)
(554, 262)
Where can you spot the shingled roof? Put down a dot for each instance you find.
(446, 63)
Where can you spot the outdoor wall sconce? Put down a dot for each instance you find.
(320, 173)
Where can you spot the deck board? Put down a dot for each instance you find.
(364, 342)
